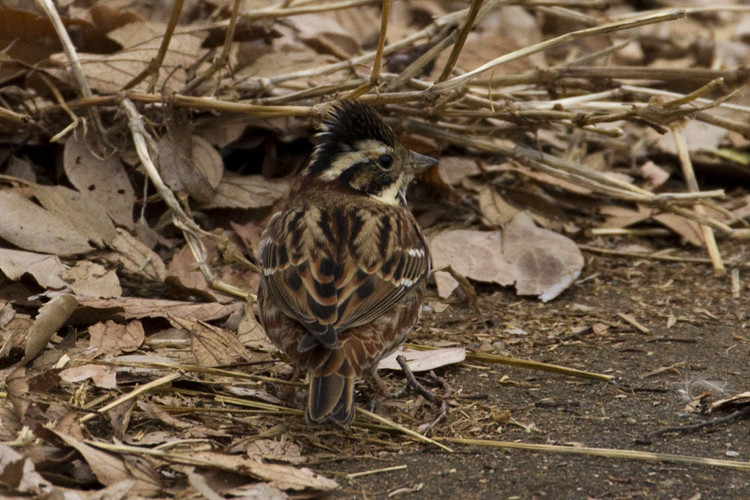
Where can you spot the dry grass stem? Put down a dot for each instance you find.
(692, 183)
(375, 471)
(520, 363)
(566, 38)
(605, 452)
(401, 428)
(155, 64)
(223, 59)
(167, 379)
(460, 40)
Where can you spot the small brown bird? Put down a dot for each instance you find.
(344, 263)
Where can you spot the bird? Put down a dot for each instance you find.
(344, 265)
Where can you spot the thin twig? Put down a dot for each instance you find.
(155, 64)
(378, 62)
(465, 30)
(685, 429)
(75, 63)
(223, 59)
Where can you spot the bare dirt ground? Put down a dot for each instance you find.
(708, 342)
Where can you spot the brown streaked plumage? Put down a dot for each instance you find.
(345, 263)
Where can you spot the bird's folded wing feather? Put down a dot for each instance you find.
(342, 279)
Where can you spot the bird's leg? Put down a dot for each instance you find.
(383, 389)
(290, 390)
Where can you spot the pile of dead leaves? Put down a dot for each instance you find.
(143, 153)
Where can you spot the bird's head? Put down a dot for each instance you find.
(360, 152)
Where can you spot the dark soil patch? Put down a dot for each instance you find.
(708, 342)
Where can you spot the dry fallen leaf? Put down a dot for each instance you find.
(110, 469)
(31, 227)
(110, 73)
(546, 262)
(189, 163)
(474, 254)
(89, 279)
(103, 376)
(52, 316)
(18, 475)
(247, 191)
(278, 451)
(137, 258)
(45, 269)
(212, 346)
(422, 361)
(105, 181)
(283, 477)
(137, 308)
(86, 215)
(111, 338)
(495, 209)
(251, 334)
(539, 261)
(325, 35)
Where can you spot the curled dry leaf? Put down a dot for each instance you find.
(137, 258)
(46, 269)
(31, 227)
(619, 217)
(110, 73)
(15, 333)
(110, 469)
(18, 475)
(247, 191)
(251, 334)
(52, 316)
(103, 180)
(7, 313)
(111, 338)
(88, 279)
(495, 209)
(189, 163)
(102, 376)
(283, 477)
(540, 262)
(741, 399)
(17, 384)
(422, 361)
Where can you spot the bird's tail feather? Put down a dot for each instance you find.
(331, 398)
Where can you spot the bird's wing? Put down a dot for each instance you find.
(335, 271)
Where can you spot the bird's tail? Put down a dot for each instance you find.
(331, 398)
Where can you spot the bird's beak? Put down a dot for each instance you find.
(420, 163)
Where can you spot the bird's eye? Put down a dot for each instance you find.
(386, 161)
